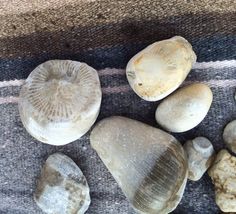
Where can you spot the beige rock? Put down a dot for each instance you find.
(229, 135)
(223, 175)
(149, 165)
(200, 154)
(184, 109)
(60, 101)
(160, 68)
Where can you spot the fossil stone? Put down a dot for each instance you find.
(229, 135)
(200, 154)
(160, 68)
(184, 109)
(223, 175)
(149, 165)
(62, 187)
(60, 101)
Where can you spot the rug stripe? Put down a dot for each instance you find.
(127, 88)
(113, 71)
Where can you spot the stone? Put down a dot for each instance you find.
(160, 68)
(149, 164)
(223, 175)
(200, 155)
(60, 101)
(184, 109)
(229, 135)
(62, 187)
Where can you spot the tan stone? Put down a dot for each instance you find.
(223, 175)
(184, 109)
(160, 68)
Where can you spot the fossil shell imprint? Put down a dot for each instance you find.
(60, 101)
(160, 68)
(185, 108)
(149, 165)
(62, 188)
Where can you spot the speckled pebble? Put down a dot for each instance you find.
(62, 187)
(223, 175)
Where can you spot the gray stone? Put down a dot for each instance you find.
(200, 154)
(229, 135)
(62, 187)
(149, 164)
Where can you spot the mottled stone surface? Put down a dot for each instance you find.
(62, 187)
(200, 154)
(149, 164)
(160, 68)
(185, 109)
(223, 175)
(229, 135)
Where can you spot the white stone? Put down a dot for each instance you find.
(200, 154)
(60, 101)
(62, 187)
(184, 109)
(223, 175)
(160, 68)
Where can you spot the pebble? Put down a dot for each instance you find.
(62, 187)
(149, 164)
(223, 175)
(229, 135)
(160, 68)
(200, 154)
(184, 109)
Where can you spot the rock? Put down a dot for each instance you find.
(149, 165)
(200, 154)
(184, 109)
(62, 187)
(229, 135)
(60, 101)
(223, 175)
(160, 68)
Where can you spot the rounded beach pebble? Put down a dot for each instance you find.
(229, 135)
(200, 154)
(62, 187)
(184, 109)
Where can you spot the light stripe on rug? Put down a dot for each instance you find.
(227, 83)
(127, 88)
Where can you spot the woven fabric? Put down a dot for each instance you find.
(106, 34)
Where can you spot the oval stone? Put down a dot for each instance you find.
(184, 109)
(149, 164)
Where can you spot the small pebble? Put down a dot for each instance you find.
(62, 187)
(229, 135)
(200, 154)
(223, 175)
(184, 109)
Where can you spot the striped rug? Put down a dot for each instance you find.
(106, 34)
